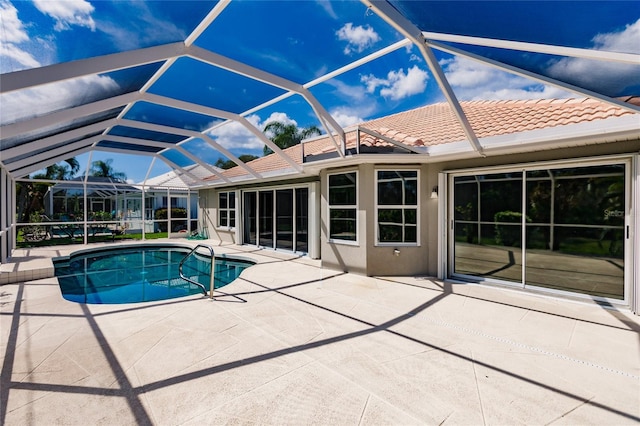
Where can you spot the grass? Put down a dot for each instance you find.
(21, 243)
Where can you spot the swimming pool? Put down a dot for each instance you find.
(139, 273)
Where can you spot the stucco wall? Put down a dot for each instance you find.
(209, 214)
(369, 259)
(366, 257)
(411, 260)
(344, 256)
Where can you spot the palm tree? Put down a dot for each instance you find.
(286, 135)
(228, 164)
(101, 168)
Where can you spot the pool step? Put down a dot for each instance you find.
(25, 271)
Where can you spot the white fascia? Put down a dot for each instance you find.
(615, 129)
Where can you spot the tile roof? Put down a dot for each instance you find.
(437, 125)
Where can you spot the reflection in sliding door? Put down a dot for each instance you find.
(277, 218)
(575, 236)
(249, 221)
(302, 219)
(575, 232)
(265, 219)
(487, 226)
(284, 219)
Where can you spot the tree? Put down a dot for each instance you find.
(228, 164)
(30, 195)
(101, 168)
(287, 135)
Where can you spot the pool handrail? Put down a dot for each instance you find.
(213, 261)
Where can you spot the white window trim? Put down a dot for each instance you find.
(629, 287)
(312, 234)
(330, 240)
(228, 210)
(378, 243)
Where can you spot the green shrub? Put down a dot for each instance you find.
(508, 235)
(102, 216)
(162, 214)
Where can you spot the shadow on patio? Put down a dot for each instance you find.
(317, 346)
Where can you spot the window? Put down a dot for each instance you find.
(227, 209)
(343, 207)
(397, 207)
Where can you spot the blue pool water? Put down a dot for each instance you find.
(140, 273)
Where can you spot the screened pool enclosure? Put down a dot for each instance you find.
(189, 89)
(101, 209)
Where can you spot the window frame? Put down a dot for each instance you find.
(228, 210)
(401, 207)
(330, 207)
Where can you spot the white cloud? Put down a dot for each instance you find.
(358, 38)
(14, 55)
(12, 28)
(471, 80)
(234, 135)
(67, 13)
(345, 91)
(398, 84)
(13, 33)
(53, 97)
(328, 8)
(346, 116)
(608, 77)
(143, 27)
(623, 41)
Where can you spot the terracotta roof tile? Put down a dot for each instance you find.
(436, 125)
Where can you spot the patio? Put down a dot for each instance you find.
(314, 346)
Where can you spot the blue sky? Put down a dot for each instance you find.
(301, 41)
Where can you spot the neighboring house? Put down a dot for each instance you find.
(66, 200)
(172, 189)
(123, 204)
(544, 200)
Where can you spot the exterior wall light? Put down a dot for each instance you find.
(434, 192)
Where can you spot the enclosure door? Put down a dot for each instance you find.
(562, 229)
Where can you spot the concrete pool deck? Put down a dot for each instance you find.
(294, 343)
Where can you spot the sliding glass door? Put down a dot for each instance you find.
(265, 218)
(557, 228)
(249, 222)
(488, 226)
(280, 216)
